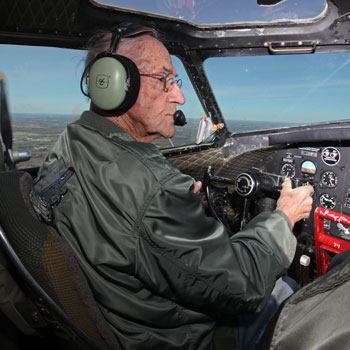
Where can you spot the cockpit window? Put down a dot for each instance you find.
(273, 91)
(192, 110)
(207, 12)
(43, 95)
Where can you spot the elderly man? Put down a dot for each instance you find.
(160, 269)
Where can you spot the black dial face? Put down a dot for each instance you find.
(244, 184)
(327, 201)
(288, 170)
(329, 179)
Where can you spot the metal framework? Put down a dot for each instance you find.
(70, 23)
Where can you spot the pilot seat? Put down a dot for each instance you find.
(45, 294)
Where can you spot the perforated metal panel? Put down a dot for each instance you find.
(34, 15)
(195, 164)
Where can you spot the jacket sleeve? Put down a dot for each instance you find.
(189, 257)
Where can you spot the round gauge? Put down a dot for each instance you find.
(308, 167)
(288, 170)
(330, 156)
(329, 179)
(327, 201)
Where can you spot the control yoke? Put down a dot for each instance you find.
(250, 184)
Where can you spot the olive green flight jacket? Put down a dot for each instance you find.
(160, 269)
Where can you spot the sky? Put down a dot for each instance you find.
(43, 80)
(292, 88)
(300, 88)
(274, 88)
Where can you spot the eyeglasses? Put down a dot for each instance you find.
(168, 80)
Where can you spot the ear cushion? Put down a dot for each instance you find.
(133, 91)
(113, 83)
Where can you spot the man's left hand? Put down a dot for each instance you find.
(197, 186)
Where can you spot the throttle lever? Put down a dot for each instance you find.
(296, 182)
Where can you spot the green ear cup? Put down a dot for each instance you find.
(108, 83)
(113, 83)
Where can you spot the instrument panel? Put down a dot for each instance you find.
(327, 169)
(236, 200)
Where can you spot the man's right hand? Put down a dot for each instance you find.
(295, 203)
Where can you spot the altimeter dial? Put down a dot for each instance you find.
(329, 179)
(288, 170)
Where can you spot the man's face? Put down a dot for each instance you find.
(153, 112)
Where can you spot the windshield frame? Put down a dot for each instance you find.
(192, 44)
(258, 13)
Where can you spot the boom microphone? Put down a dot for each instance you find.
(179, 118)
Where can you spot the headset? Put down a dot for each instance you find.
(113, 81)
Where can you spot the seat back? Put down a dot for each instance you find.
(316, 316)
(46, 264)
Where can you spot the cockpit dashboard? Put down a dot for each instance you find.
(323, 164)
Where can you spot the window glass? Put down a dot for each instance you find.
(43, 95)
(226, 11)
(192, 109)
(273, 91)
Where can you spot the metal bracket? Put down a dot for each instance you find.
(291, 47)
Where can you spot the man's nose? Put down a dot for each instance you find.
(176, 95)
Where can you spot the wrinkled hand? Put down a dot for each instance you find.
(295, 203)
(197, 186)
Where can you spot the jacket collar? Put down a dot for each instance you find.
(103, 125)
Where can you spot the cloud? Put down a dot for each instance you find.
(26, 108)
